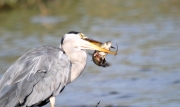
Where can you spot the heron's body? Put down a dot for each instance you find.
(39, 66)
(41, 74)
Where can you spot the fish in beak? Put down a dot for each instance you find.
(98, 57)
(96, 45)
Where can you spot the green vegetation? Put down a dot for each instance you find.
(13, 4)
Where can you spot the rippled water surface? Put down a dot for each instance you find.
(145, 73)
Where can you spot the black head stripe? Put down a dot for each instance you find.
(62, 40)
(73, 32)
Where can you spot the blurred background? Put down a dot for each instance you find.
(146, 71)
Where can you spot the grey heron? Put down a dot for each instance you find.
(38, 76)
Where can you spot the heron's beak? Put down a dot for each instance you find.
(95, 45)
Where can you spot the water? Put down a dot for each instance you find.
(145, 73)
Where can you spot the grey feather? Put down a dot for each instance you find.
(42, 70)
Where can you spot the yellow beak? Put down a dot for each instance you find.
(95, 45)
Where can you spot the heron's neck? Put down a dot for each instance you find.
(78, 60)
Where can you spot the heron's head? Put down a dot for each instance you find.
(77, 40)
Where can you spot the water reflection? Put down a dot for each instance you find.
(146, 71)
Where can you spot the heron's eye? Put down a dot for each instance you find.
(82, 36)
